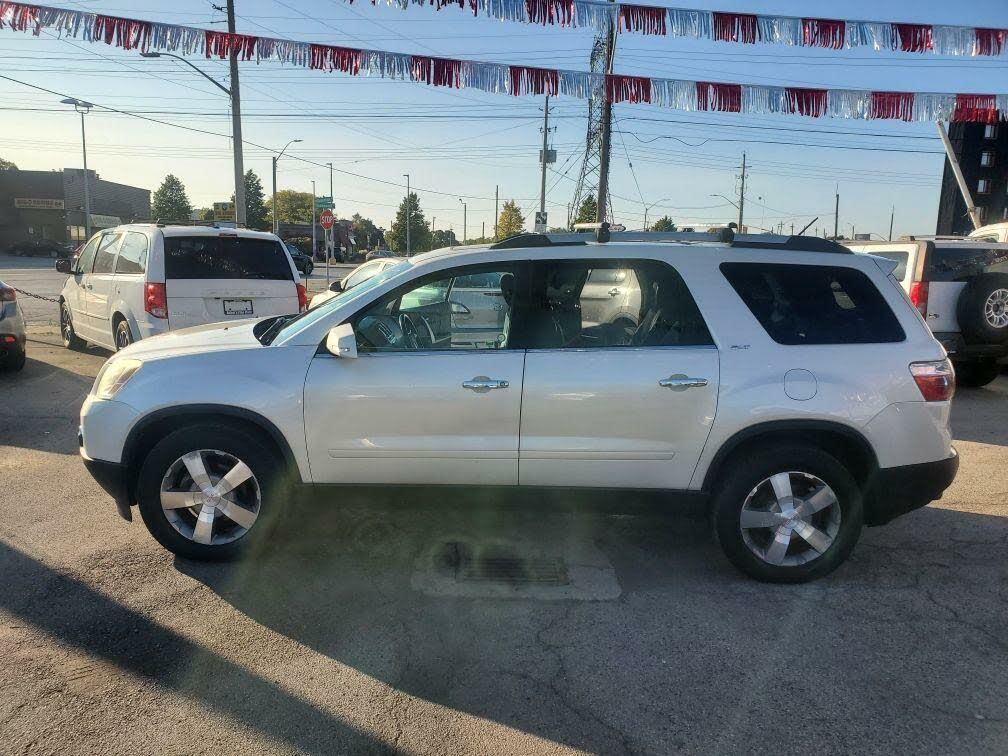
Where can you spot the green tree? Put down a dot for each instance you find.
(367, 234)
(292, 206)
(169, 202)
(420, 234)
(7, 165)
(256, 214)
(443, 237)
(663, 224)
(510, 221)
(588, 210)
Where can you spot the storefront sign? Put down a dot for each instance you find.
(30, 203)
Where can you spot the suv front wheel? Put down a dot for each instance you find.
(788, 514)
(205, 491)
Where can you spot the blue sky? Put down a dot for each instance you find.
(461, 144)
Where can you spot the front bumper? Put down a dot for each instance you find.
(894, 491)
(112, 477)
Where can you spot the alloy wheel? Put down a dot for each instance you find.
(996, 308)
(790, 519)
(66, 327)
(123, 337)
(210, 497)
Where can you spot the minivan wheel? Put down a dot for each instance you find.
(788, 514)
(205, 491)
(123, 335)
(70, 338)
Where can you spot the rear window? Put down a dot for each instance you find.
(963, 263)
(900, 258)
(814, 304)
(195, 257)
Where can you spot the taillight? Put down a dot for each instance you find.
(919, 296)
(7, 294)
(302, 297)
(936, 380)
(156, 300)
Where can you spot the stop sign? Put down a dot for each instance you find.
(327, 219)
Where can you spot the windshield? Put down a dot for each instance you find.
(294, 323)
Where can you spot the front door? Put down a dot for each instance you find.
(99, 290)
(76, 295)
(419, 404)
(609, 405)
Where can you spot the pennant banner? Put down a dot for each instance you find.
(516, 80)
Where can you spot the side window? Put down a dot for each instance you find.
(581, 304)
(106, 255)
(965, 262)
(460, 309)
(362, 273)
(132, 254)
(86, 258)
(814, 304)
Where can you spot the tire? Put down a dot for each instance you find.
(756, 550)
(976, 374)
(122, 336)
(983, 309)
(70, 338)
(15, 363)
(309, 268)
(259, 496)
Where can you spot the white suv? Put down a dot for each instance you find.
(786, 381)
(136, 281)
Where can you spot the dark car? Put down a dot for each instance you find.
(302, 261)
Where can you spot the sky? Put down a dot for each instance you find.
(460, 145)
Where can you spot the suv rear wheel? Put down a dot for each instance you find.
(205, 491)
(788, 514)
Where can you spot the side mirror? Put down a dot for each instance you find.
(341, 341)
(64, 265)
(336, 287)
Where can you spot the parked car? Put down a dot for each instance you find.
(37, 248)
(376, 254)
(997, 232)
(789, 385)
(13, 341)
(302, 261)
(132, 282)
(960, 287)
(358, 275)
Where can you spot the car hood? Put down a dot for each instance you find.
(214, 337)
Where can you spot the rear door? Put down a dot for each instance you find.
(212, 278)
(100, 288)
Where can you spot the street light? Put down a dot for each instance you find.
(465, 210)
(408, 248)
(83, 108)
(648, 208)
(276, 225)
(239, 169)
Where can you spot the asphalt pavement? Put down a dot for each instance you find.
(375, 623)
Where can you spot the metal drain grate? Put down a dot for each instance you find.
(497, 565)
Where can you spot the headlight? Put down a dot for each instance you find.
(114, 376)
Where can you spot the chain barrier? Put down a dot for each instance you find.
(36, 296)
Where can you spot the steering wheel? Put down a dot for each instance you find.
(383, 332)
(416, 338)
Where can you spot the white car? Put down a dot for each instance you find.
(960, 287)
(358, 275)
(132, 282)
(789, 383)
(992, 232)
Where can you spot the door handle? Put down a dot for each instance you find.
(87, 286)
(481, 384)
(681, 382)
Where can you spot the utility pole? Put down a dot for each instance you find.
(408, 213)
(606, 128)
(236, 129)
(545, 147)
(465, 219)
(957, 172)
(836, 214)
(496, 204)
(741, 195)
(892, 217)
(313, 230)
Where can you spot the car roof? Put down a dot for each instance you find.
(198, 230)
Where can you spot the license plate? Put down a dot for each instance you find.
(237, 306)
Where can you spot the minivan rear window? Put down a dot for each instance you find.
(963, 263)
(197, 257)
(814, 304)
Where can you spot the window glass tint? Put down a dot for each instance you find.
(132, 254)
(594, 303)
(814, 304)
(105, 258)
(962, 263)
(900, 258)
(86, 258)
(363, 273)
(455, 310)
(202, 257)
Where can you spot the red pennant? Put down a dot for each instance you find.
(550, 11)
(440, 72)
(22, 16)
(534, 81)
(642, 18)
(735, 27)
(807, 102)
(627, 88)
(990, 41)
(976, 108)
(822, 32)
(716, 96)
(329, 58)
(892, 105)
(914, 37)
(221, 44)
(126, 33)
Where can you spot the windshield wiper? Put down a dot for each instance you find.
(267, 336)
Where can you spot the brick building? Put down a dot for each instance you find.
(982, 150)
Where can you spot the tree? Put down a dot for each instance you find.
(663, 224)
(256, 214)
(443, 237)
(169, 202)
(420, 234)
(7, 165)
(588, 211)
(292, 206)
(510, 221)
(203, 213)
(367, 234)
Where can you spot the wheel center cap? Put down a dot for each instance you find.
(208, 499)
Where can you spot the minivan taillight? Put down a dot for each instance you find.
(156, 300)
(936, 380)
(919, 297)
(302, 297)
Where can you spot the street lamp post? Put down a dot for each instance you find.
(465, 210)
(83, 108)
(408, 213)
(647, 208)
(276, 225)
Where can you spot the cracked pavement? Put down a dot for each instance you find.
(345, 635)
